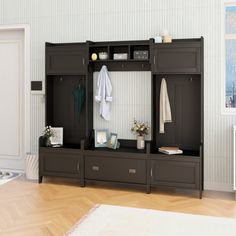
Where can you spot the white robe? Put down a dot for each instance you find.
(103, 93)
(165, 111)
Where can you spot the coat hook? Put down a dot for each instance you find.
(104, 65)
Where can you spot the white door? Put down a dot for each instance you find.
(12, 99)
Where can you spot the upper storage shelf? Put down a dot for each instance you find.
(121, 55)
(178, 57)
(65, 59)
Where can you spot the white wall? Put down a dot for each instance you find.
(131, 98)
(77, 20)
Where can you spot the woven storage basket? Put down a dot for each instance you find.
(31, 166)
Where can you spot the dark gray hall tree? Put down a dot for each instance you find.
(68, 67)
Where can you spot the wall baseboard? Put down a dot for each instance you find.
(13, 170)
(224, 187)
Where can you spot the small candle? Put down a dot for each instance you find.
(167, 39)
(158, 39)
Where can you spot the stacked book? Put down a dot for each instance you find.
(170, 150)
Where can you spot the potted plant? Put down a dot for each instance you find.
(140, 129)
(47, 134)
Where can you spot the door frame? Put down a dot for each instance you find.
(26, 80)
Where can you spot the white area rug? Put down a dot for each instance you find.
(105, 220)
(6, 176)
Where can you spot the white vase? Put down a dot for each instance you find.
(140, 142)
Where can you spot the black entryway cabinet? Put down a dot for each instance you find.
(69, 65)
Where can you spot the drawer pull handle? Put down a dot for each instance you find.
(95, 168)
(132, 171)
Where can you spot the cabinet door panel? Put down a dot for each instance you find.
(66, 60)
(115, 169)
(59, 164)
(176, 174)
(179, 59)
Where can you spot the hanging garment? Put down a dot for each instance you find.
(103, 93)
(79, 98)
(165, 111)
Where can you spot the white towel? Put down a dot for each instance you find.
(103, 93)
(165, 111)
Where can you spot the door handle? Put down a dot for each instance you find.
(154, 60)
(78, 166)
(132, 171)
(83, 61)
(95, 168)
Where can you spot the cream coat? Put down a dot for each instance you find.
(165, 111)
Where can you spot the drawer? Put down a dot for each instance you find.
(117, 65)
(175, 173)
(115, 169)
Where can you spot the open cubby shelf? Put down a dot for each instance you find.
(180, 63)
(61, 108)
(128, 47)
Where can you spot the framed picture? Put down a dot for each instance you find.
(57, 138)
(112, 141)
(101, 138)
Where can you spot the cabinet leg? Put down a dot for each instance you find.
(40, 179)
(82, 184)
(148, 189)
(200, 194)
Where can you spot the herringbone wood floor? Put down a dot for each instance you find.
(53, 207)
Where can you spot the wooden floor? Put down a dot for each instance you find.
(53, 207)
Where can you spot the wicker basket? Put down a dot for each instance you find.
(31, 167)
